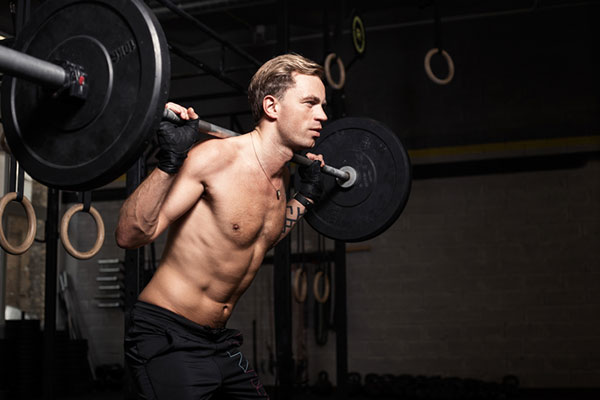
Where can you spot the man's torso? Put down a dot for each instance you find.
(214, 250)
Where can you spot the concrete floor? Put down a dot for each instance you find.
(524, 394)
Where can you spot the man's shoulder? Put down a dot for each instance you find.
(215, 152)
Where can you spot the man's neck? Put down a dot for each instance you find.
(272, 153)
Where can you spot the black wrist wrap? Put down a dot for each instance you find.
(175, 141)
(311, 185)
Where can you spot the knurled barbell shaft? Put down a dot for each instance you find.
(21, 65)
(215, 130)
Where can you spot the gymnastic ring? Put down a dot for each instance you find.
(300, 285)
(429, 72)
(321, 298)
(64, 233)
(336, 85)
(31, 225)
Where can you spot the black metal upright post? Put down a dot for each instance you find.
(341, 320)
(341, 316)
(282, 267)
(134, 270)
(21, 12)
(283, 318)
(22, 9)
(337, 110)
(50, 294)
(134, 259)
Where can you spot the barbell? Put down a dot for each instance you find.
(84, 90)
(367, 194)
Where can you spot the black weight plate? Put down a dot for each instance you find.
(383, 183)
(71, 145)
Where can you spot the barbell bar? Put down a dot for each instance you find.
(22, 65)
(344, 175)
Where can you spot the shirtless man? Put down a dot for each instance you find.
(226, 207)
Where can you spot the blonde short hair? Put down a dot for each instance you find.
(275, 77)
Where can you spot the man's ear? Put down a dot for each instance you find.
(270, 107)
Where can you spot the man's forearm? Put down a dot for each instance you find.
(310, 190)
(139, 214)
(293, 213)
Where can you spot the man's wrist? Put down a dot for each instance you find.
(170, 161)
(306, 202)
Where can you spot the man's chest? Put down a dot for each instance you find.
(247, 209)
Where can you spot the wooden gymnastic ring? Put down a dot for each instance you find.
(300, 285)
(429, 72)
(325, 296)
(336, 85)
(64, 233)
(31, 228)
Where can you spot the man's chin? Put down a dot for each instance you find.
(304, 147)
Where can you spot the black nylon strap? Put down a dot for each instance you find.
(20, 184)
(86, 199)
(438, 28)
(303, 200)
(12, 186)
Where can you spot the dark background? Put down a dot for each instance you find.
(493, 267)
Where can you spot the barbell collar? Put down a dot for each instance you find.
(21, 65)
(215, 130)
(352, 175)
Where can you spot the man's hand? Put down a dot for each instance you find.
(176, 140)
(311, 184)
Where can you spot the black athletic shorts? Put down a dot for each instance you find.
(171, 357)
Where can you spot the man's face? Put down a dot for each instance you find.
(301, 112)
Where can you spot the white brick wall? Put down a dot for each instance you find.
(484, 276)
(481, 276)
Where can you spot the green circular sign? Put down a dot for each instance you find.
(358, 35)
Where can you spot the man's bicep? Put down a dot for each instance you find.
(188, 187)
(184, 194)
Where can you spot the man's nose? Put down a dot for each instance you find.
(321, 116)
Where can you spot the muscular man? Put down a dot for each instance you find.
(225, 204)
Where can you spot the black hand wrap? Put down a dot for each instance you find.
(311, 185)
(175, 141)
